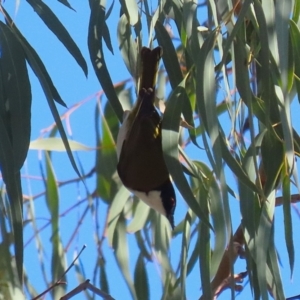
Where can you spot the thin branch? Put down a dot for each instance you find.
(60, 184)
(59, 282)
(86, 285)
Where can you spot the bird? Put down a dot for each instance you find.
(141, 165)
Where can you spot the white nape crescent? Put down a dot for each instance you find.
(153, 199)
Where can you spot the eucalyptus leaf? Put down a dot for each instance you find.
(95, 34)
(56, 144)
(54, 24)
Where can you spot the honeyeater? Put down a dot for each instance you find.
(141, 164)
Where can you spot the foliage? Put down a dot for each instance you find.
(232, 78)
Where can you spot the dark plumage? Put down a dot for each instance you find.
(141, 165)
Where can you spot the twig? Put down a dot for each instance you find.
(223, 278)
(60, 184)
(59, 281)
(86, 285)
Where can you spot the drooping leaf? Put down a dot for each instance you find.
(15, 126)
(95, 34)
(16, 91)
(48, 89)
(29, 49)
(169, 55)
(115, 212)
(295, 38)
(128, 46)
(56, 144)
(66, 3)
(287, 217)
(274, 281)
(106, 159)
(131, 10)
(271, 164)
(58, 255)
(103, 277)
(141, 279)
(122, 254)
(54, 24)
(140, 216)
(184, 253)
(170, 129)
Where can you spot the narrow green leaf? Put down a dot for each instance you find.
(95, 34)
(205, 92)
(52, 200)
(8, 269)
(190, 168)
(169, 55)
(174, 12)
(188, 108)
(127, 46)
(236, 167)
(115, 211)
(272, 164)
(110, 9)
(275, 281)
(205, 259)
(264, 239)
(295, 38)
(143, 244)
(15, 118)
(241, 68)
(296, 12)
(282, 14)
(184, 254)
(170, 135)
(17, 90)
(265, 20)
(13, 186)
(234, 30)
(193, 258)
(49, 96)
(66, 3)
(205, 87)
(218, 221)
(130, 7)
(44, 82)
(107, 39)
(249, 212)
(287, 217)
(157, 14)
(120, 244)
(189, 10)
(28, 48)
(106, 159)
(56, 144)
(291, 66)
(103, 277)
(161, 231)
(285, 116)
(141, 283)
(140, 217)
(54, 24)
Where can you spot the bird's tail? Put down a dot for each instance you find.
(149, 67)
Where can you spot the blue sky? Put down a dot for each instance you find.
(74, 87)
